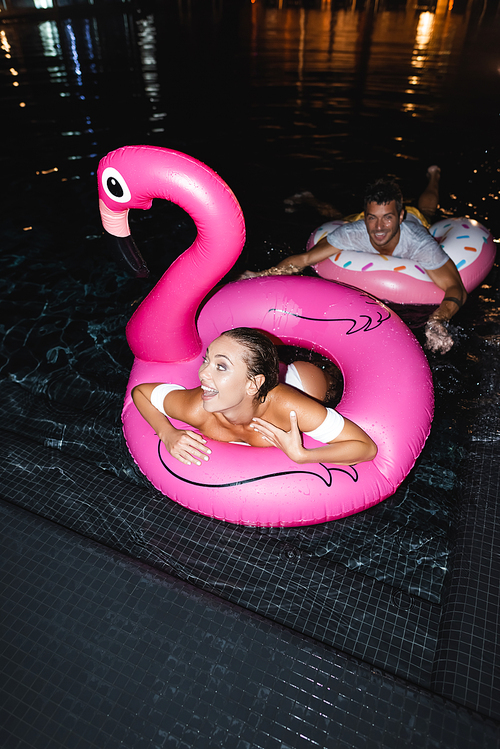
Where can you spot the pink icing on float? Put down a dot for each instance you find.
(388, 387)
(468, 243)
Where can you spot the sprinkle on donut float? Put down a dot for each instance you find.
(467, 242)
(387, 383)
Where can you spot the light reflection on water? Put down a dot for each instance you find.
(277, 99)
(311, 84)
(147, 45)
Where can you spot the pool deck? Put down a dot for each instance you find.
(100, 650)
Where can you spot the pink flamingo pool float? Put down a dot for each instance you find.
(388, 388)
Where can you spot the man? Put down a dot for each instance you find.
(385, 229)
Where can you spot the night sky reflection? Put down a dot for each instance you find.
(279, 96)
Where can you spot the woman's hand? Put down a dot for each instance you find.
(186, 446)
(351, 446)
(290, 442)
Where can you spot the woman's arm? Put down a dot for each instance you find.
(186, 446)
(349, 447)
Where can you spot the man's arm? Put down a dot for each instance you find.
(448, 279)
(296, 263)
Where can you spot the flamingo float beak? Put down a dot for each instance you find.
(121, 242)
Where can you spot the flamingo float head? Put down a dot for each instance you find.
(131, 177)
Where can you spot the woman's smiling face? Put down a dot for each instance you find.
(224, 376)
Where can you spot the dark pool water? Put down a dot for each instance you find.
(277, 97)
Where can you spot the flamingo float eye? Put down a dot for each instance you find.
(115, 185)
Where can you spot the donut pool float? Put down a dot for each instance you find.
(388, 387)
(468, 243)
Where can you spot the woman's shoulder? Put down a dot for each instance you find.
(185, 405)
(285, 398)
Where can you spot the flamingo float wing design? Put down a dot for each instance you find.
(388, 387)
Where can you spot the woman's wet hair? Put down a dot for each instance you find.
(384, 191)
(260, 356)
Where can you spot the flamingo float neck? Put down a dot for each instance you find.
(131, 177)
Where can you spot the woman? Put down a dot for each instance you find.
(240, 399)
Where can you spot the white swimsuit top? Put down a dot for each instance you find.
(330, 428)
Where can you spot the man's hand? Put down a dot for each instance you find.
(438, 337)
(283, 269)
(249, 274)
